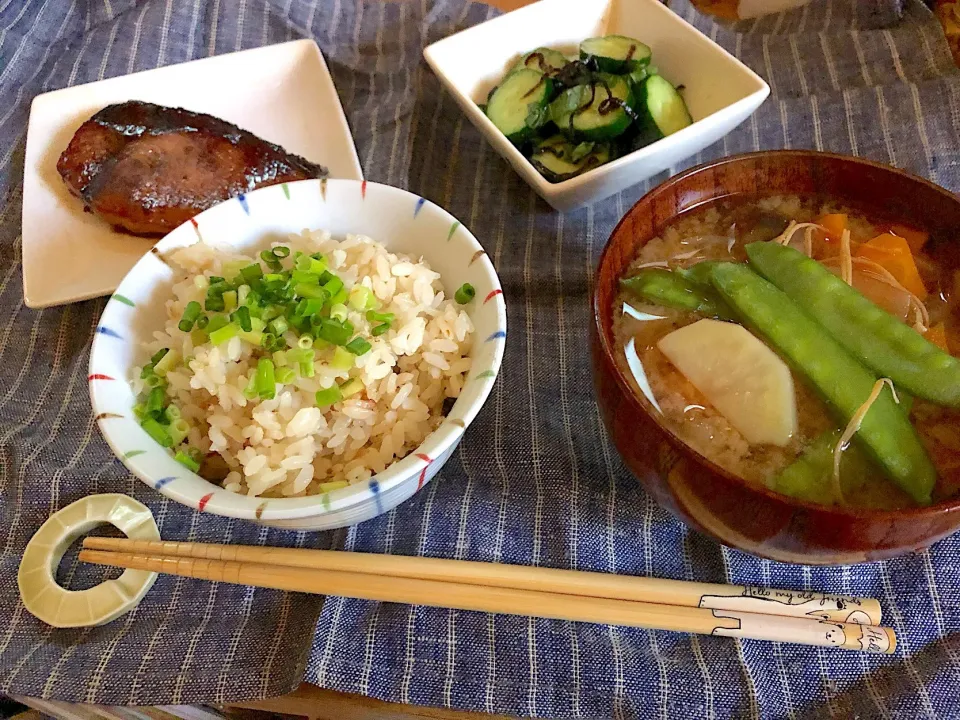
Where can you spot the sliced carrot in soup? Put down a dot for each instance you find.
(827, 244)
(835, 224)
(916, 239)
(893, 253)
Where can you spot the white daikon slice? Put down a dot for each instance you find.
(740, 376)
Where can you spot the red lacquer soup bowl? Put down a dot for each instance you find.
(705, 496)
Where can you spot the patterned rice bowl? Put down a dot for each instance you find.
(404, 223)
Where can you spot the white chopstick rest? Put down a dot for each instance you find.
(60, 607)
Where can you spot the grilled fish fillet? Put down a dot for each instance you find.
(147, 168)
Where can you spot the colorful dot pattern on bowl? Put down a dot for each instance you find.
(373, 484)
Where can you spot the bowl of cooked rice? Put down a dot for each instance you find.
(307, 355)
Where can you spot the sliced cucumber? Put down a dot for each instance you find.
(662, 110)
(636, 77)
(615, 53)
(543, 59)
(519, 106)
(598, 111)
(558, 159)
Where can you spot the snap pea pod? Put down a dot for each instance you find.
(698, 274)
(876, 338)
(810, 476)
(663, 287)
(885, 434)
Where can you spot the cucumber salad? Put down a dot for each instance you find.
(570, 116)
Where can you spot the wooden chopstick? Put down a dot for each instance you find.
(753, 599)
(513, 601)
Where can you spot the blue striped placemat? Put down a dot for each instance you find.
(535, 480)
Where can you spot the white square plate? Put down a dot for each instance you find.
(287, 97)
(721, 92)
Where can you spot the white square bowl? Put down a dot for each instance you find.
(721, 92)
(286, 96)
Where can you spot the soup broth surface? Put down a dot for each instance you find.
(721, 231)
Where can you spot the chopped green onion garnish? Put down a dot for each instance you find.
(190, 314)
(241, 316)
(157, 431)
(230, 300)
(178, 430)
(329, 396)
(140, 411)
(153, 381)
(147, 371)
(250, 391)
(266, 382)
(222, 335)
(243, 293)
(334, 485)
(380, 329)
(195, 454)
(202, 322)
(285, 375)
(187, 461)
(158, 355)
(374, 316)
(307, 264)
(335, 332)
(358, 346)
(279, 326)
(333, 286)
(281, 251)
(199, 337)
(217, 289)
(305, 342)
(216, 280)
(359, 297)
(306, 368)
(214, 304)
(252, 272)
(268, 340)
(273, 278)
(310, 291)
(280, 359)
(300, 276)
(342, 359)
(308, 307)
(271, 312)
(254, 337)
(167, 363)
(351, 387)
(339, 312)
(173, 412)
(217, 322)
(156, 400)
(296, 355)
(465, 294)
